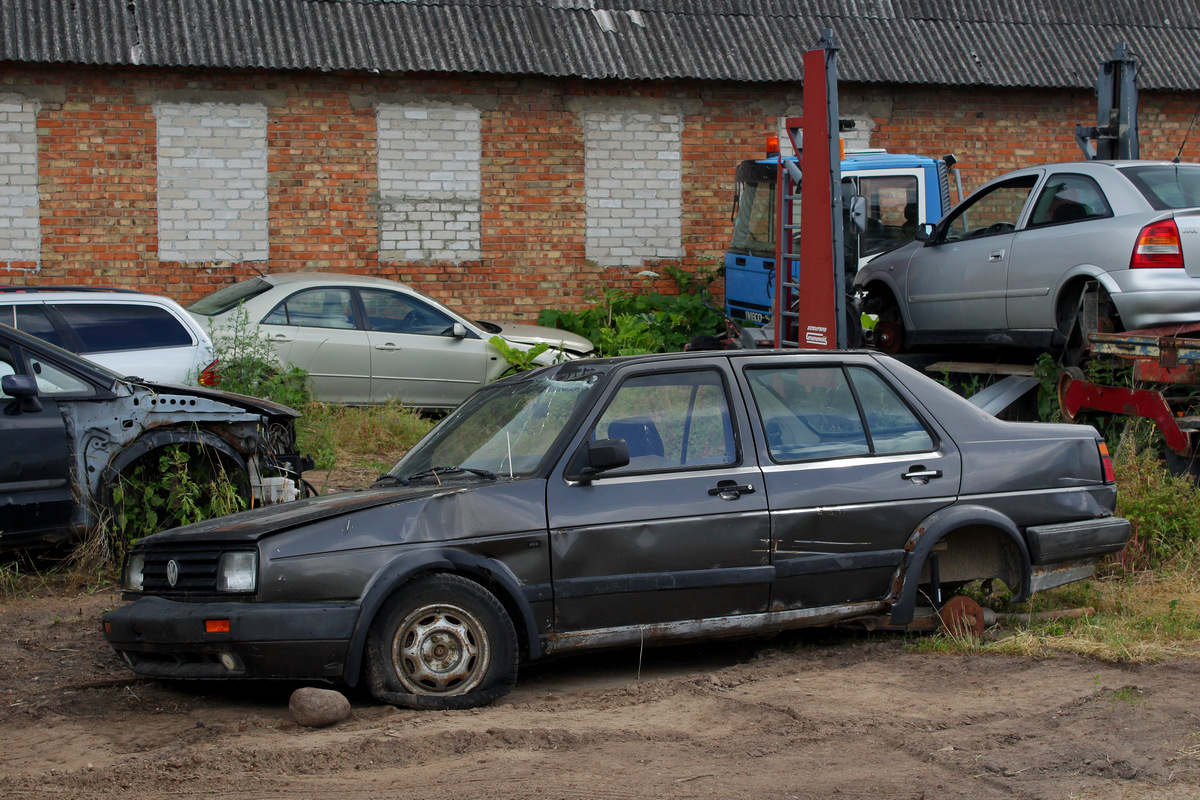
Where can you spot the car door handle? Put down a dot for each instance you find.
(281, 337)
(921, 476)
(996, 255)
(389, 347)
(730, 490)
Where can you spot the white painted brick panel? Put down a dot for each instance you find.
(429, 184)
(633, 180)
(20, 223)
(212, 182)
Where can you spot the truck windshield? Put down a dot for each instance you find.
(754, 210)
(508, 428)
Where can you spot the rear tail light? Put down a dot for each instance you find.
(209, 376)
(1106, 464)
(1158, 247)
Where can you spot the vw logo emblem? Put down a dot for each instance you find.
(172, 573)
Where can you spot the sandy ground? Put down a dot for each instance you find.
(813, 714)
(816, 714)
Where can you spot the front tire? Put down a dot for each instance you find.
(441, 642)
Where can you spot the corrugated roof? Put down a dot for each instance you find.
(1034, 43)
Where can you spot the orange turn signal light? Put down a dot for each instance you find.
(216, 626)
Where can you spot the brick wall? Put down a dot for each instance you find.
(336, 159)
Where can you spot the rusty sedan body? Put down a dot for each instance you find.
(609, 502)
(73, 431)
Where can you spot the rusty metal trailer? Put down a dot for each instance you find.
(1167, 356)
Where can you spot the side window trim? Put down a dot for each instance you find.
(846, 371)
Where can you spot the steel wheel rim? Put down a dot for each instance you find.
(441, 649)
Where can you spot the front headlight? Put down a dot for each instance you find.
(135, 565)
(237, 572)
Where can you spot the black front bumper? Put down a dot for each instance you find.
(162, 638)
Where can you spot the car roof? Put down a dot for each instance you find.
(23, 289)
(651, 358)
(283, 278)
(19, 294)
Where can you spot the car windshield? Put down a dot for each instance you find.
(222, 300)
(1167, 186)
(507, 428)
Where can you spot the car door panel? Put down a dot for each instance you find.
(36, 493)
(958, 281)
(960, 285)
(844, 494)
(682, 535)
(426, 370)
(338, 362)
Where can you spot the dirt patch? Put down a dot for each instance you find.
(808, 715)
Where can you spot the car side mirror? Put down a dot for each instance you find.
(924, 232)
(858, 213)
(596, 457)
(24, 388)
(458, 331)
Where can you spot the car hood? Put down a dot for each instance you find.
(370, 517)
(523, 333)
(255, 404)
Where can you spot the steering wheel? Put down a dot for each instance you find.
(999, 227)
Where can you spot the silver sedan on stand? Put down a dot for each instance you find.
(1042, 256)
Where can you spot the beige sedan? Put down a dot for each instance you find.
(367, 340)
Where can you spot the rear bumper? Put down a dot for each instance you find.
(162, 638)
(1087, 539)
(1153, 297)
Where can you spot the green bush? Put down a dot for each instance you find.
(247, 364)
(1164, 509)
(623, 323)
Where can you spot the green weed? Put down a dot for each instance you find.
(625, 323)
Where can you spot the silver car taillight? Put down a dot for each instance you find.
(1158, 247)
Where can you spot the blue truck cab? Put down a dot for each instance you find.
(901, 192)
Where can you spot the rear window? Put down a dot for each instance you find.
(106, 328)
(1167, 186)
(222, 300)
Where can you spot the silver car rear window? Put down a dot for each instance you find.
(1167, 186)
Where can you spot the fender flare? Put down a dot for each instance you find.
(156, 439)
(932, 530)
(441, 559)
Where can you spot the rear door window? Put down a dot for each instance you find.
(104, 328)
(830, 412)
(315, 308)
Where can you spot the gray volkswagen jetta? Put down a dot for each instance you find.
(608, 502)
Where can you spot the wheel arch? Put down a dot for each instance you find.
(494, 576)
(158, 439)
(975, 537)
(881, 281)
(1073, 283)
